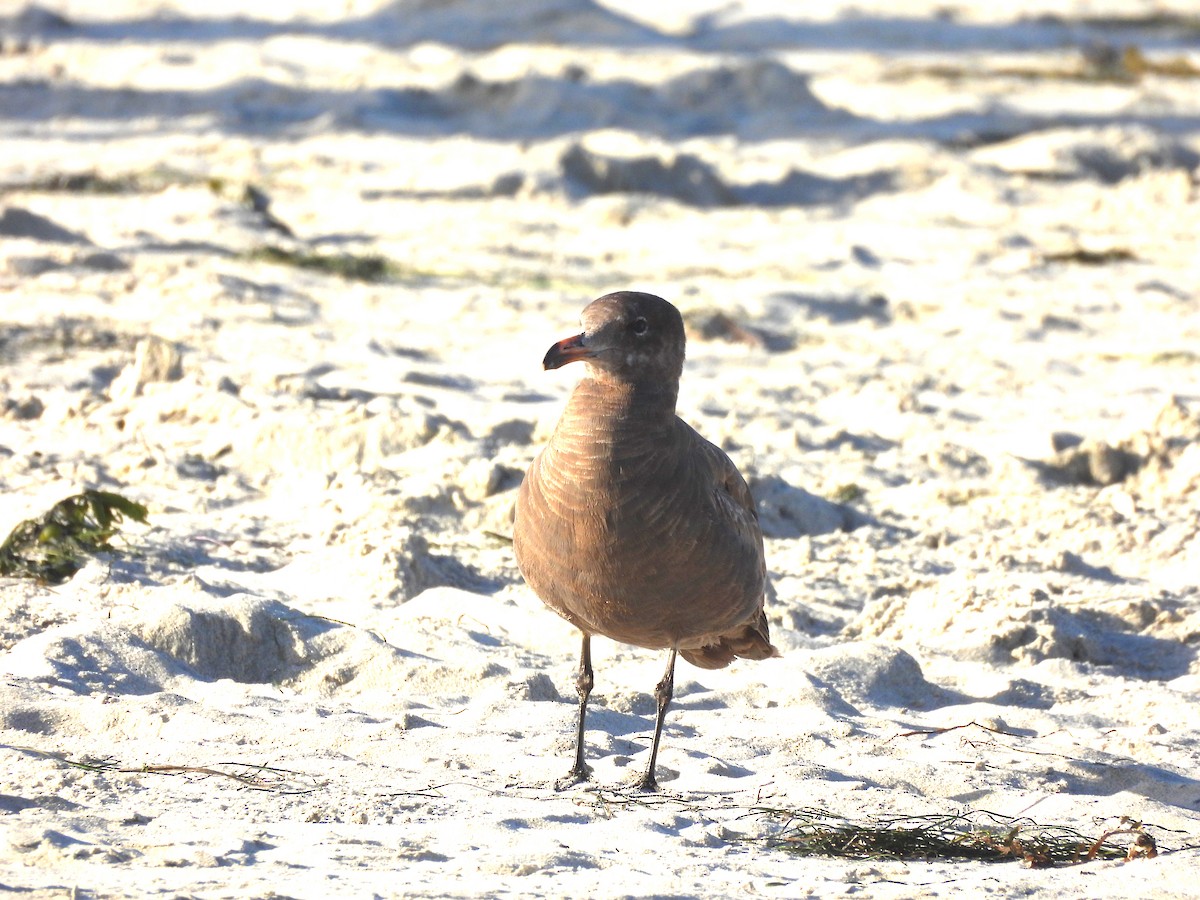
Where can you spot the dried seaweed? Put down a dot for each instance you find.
(972, 835)
(368, 267)
(148, 181)
(1091, 257)
(54, 546)
(1100, 62)
(847, 493)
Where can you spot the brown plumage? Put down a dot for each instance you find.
(631, 525)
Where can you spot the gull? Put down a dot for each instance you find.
(631, 525)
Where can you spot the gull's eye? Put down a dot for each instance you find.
(639, 325)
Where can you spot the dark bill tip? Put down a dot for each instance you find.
(566, 351)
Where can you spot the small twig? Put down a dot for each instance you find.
(319, 618)
(948, 728)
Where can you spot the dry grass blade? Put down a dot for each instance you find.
(973, 835)
(250, 776)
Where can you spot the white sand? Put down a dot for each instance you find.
(321, 588)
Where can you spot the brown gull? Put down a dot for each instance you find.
(631, 525)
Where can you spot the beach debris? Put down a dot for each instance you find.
(54, 546)
(970, 835)
(247, 776)
(1087, 257)
(147, 181)
(368, 267)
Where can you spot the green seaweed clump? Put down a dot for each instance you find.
(54, 546)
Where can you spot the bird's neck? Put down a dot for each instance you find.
(611, 428)
(613, 403)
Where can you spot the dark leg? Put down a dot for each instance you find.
(664, 692)
(583, 686)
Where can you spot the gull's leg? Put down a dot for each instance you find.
(664, 692)
(583, 686)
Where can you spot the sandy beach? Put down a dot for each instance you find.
(286, 279)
